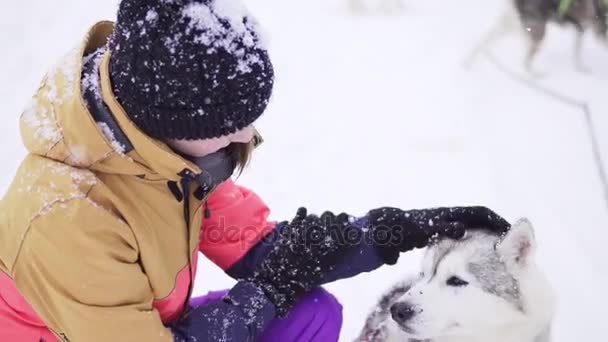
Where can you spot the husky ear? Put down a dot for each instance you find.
(519, 244)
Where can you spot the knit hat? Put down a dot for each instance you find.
(189, 69)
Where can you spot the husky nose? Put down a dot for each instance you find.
(402, 312)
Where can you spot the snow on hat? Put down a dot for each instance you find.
(189, 69)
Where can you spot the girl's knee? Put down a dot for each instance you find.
(317, 317)
(326, 303)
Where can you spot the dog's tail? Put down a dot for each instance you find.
(374, 329)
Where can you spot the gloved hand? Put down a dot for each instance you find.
(395, 231)
(306, 249)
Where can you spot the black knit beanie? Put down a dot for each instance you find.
(189, 69)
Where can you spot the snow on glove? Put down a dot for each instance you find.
(395, 231)
(241, 316)
(306, 249)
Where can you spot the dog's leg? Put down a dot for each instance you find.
(578, 52)
(536, 33)
(545, 336)
(531, 54)
(505, 24)
(600, 24)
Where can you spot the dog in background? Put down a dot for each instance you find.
(534, 16)
(479, 289)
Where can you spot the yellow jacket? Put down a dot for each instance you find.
(93, 244)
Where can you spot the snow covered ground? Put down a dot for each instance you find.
(376, 109)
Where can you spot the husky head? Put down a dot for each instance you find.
(476, 287)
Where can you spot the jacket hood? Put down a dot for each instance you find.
(58, 124)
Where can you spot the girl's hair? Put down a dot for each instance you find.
(241, 154)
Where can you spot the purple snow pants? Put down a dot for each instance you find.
(317, 317)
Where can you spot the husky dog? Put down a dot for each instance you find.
(535, 15)
(479, 289)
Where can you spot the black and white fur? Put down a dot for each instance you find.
(479, 289)
(533, 16)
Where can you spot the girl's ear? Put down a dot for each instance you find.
(518, 246)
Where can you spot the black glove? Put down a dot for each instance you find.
(306, 249)
(395, 231)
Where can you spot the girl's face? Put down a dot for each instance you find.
(203, 147)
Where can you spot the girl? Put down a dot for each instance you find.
(132, 140)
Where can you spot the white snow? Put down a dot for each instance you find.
(214, 33)
(91, 81)
(66, 69)
(201, 16)
(373, 110)
(81, 179)
(204, 17)
(107, 132)
(151, 16)
(172, 43)
(40, 121)
(234, 11)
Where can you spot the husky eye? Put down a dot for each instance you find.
(457, 282)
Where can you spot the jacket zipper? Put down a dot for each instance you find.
(190, 178)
